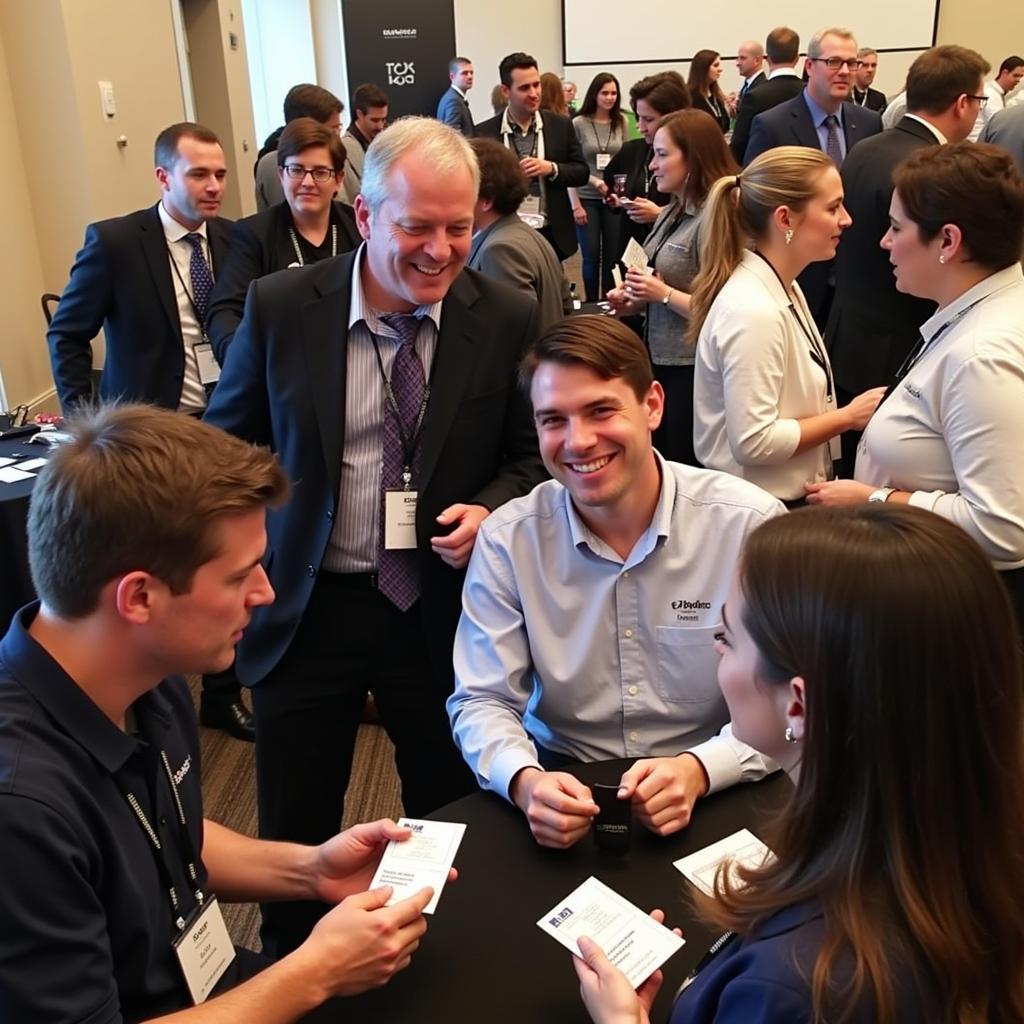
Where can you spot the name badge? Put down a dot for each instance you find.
(400, 520)
(835, 445)
(529, 212)
(209, 368)
(204, 950)
(603, 160)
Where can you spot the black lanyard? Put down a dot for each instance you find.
(602, 147)
(716, 947)
(187, 850)
(188, 294)
(409, 442)
(815, 348)
(666, 235)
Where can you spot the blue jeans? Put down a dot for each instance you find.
(599, 243)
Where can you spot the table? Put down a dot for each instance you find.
(15, 580)
(484, 958)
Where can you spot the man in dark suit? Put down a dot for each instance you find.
(385, 380)
(863, 95)
(819, 118)
(548, 150)
(145, 279)
(782, 48)
(453, 109)
(872, 326)
(750, 65)
(1006, 129)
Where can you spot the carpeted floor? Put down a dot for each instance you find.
(229, 795)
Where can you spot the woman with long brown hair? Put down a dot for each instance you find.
(706, 93)
(871, 652)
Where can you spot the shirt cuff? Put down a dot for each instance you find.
(925, 499)
(554, 174)
(720, 763)
(505, 766)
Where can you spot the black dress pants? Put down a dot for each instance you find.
(351, 639)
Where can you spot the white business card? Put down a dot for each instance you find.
(30, 465)
(11, 475)
(423, 859)
(742, 848)
(634, 255)
(632, 940)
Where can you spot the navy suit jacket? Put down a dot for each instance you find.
(453, 110)
(121, 281)
(770, 93)
(283, 385)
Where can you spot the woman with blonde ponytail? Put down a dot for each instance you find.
(764, 400)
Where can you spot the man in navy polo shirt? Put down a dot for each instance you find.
(146, 540)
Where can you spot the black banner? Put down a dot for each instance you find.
(404, 47)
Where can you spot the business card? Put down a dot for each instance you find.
(423, 859)
(743, 848)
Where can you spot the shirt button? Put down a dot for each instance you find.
(632, 691)
(628, 633)
(310, 570)
(625, 575)
(633, 737)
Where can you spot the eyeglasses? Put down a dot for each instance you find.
(982, 100)
(297, 172)
(835, 63)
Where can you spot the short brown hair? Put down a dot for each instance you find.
(974, 185)
(782, 45)
(165, 149)
(313, 101)
(369, 96)
(941, 75)
(704, 148)
(600, 343)
(304, 133)
(139, 488)
(665, 92)
(502, 180)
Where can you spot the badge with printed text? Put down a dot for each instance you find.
(204, 950)
(603, 160)
(209, 368)
(400, 520)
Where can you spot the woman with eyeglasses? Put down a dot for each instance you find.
(870, 653)
(948, 434)
(764, 399)
(706, 93)
(307, 227)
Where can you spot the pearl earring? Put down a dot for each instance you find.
(789, 734)
(789, 235)
(942, 258)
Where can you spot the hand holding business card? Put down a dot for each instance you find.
(421, 860)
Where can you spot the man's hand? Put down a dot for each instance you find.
(361, 943)
(557, 805)
(455, 548)
(534, 168)
(579, 214)
(664, 790)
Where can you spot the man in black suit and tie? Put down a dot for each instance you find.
(453, 109)
(548, 151)
(872, 326)
(145, 278)
(750, 65)
(782, 49)
(820, 118)
(386, 381)
(863, 95)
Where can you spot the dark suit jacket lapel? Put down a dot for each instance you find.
(853, 124)
(218, 232)
(803, 127)
(325, 346)
(454, 359)
(154, 246)
(915, 128)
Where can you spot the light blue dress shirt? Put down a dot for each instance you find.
(818, 118)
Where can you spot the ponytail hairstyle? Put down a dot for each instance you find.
(739, 210)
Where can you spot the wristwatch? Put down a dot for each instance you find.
(882, 494)
(668, 295)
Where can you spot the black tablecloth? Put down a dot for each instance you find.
(483, 957)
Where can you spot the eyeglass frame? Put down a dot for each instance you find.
(982, 100)
(320, 175)
(854, 63)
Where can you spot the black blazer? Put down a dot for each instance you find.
(283, 385)
(872, 326)
(699, 103)
(261, 244)
(875, 100)
(121, 281)
(770, 93)
(563, 148)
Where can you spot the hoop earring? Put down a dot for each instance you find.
(789, 734)
(789, 236)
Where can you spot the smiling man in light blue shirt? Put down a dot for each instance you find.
(591, 604)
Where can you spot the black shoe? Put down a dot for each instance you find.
(232, 716)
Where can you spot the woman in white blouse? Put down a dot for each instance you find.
(764, 405)
(948, 436)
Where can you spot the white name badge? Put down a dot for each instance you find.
(835, 448)
(603, 160)
(204, 950)
(209, 368)
(400, 520)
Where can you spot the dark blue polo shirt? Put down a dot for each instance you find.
(86, 924)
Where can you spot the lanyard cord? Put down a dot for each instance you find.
(298, 251)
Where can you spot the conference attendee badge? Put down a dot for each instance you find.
(529, 212)
(204, 950)
(603, 160)
(400, 520)
(423, 859)
(209, 368)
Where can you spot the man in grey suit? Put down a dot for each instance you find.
(506, 248)
(1006, 129)
(453, 108)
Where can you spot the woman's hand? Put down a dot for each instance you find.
(642, 211)
(643, 288)
(579, 214)
(861, 409)
(837, 493)
(621, 303)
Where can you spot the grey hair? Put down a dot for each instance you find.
(864, 51)
(814, 46)
(441, 148)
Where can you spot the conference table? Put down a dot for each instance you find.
(483, 956)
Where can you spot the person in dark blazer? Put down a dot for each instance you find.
(134, 278)
(863, 95)
(705, 92)
(306, 227)
(868, 912)
(872, 326)
(358, 608)
(782, 49)
(750, 65)
(453, 108)
(547, 146)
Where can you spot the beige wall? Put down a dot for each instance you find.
(995, 28)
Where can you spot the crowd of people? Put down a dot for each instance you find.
(361, 440)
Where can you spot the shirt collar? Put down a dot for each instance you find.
(997, 88)
(360, 310)
(818, 115)
(940, 138)
(39, 674)
(508, 126)
(783, 72)
(458, 90)
(174, 230)
(982, 290)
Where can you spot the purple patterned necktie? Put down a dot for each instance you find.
(832, 147)
(397, 571)
(202, 282)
